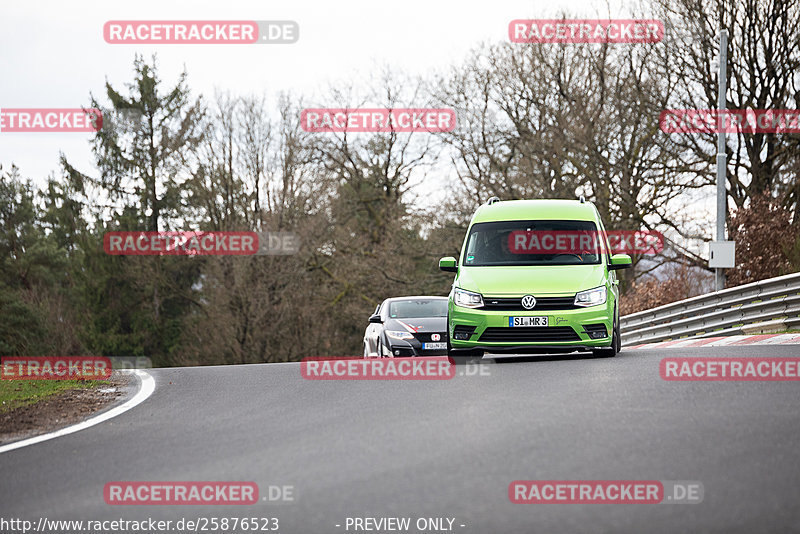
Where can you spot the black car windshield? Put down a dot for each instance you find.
(533, 243)
(400, 309)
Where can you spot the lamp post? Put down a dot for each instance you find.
(721, 156)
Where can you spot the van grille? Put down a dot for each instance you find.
(542, 303)
(530, 334)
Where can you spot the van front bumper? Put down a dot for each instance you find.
(566, 331)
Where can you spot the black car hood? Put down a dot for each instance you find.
(418, 324)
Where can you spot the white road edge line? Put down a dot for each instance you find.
(146, 389)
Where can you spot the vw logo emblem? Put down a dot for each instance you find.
(435, 337)
(528, 302)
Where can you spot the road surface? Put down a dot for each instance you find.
(439, 449)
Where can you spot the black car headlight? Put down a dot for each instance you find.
(400, 334)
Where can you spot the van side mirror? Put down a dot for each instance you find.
(619, 261)
(448, 264)
(375, 319)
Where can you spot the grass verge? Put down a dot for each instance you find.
(16, 393)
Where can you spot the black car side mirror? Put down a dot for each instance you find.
(375, 319)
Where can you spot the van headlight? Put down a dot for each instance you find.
(591, 297)
(467, 299)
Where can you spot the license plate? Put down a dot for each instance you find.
(527, 321)
(434, 346)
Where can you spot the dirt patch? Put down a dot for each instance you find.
(61, 409)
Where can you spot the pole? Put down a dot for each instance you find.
(721, 156)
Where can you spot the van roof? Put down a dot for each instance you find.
(533, 210)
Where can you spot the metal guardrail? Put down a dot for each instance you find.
(769, 305)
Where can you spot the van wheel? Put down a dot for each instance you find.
(461, 357)
(465, 358)
(613, 350)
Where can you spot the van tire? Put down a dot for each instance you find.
(461, 357)
(613, 350)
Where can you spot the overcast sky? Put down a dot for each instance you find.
(53, 53)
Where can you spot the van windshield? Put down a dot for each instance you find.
(533, 243)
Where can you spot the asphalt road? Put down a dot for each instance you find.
(440, 448)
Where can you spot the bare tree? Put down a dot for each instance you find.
(763, 73)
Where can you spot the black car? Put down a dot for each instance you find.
(407, 326)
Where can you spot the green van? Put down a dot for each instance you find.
(534, 276)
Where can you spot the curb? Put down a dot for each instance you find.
(761, 339)
(147, 385)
